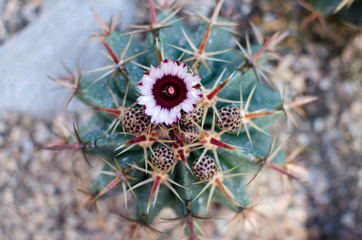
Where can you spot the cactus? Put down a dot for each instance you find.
(344, 11)
(181, 118)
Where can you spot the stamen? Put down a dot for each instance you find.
(171, 90)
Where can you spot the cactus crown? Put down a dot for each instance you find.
(180, 118)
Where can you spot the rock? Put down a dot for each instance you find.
(60, 34)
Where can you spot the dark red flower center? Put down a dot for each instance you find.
(169, 91)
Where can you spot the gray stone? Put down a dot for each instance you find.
(61, 33)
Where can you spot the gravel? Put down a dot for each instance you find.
(17, 14)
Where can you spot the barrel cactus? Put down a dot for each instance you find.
(181, 117)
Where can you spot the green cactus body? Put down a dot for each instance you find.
(346, 12)
(225, 76)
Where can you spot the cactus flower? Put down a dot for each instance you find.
(168, 89)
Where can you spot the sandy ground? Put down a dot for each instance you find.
(39, 190)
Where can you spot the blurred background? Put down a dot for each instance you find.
(321, 57)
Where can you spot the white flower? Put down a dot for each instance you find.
(168, 89)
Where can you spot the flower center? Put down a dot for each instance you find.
(169, 91)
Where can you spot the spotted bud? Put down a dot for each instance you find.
(163, 158)
(136, 121)
(205, 168)
(230, 119)
(196, 117)
(189, 134)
